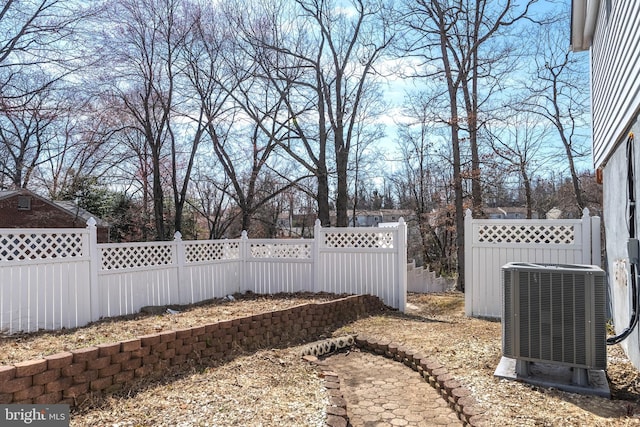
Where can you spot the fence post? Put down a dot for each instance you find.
(244, 255)
(315, 257)
(402, 265)
(596, 254)
(586, 237)
(178, 244)
(94, 265)
(468, 263)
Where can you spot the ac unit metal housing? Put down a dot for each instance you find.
(554, 314)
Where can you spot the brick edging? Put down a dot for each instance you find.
(336, 409)
(458, 397)
(72, 377)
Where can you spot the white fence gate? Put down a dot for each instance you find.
(491, 243)
(62, 278)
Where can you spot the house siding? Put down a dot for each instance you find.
(615, 88)
(615, 102)
(616, 223)
(41, 215)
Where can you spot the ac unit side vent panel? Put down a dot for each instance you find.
(554, 314)
(507, 316)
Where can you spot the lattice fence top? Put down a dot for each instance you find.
(22, 246)
(211, 251)
(542, 234)
(378, 239)
(281, 250)
(116, 258)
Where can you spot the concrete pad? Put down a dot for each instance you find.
(556, 376)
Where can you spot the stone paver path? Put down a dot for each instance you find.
(381, 392)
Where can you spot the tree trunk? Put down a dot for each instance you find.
(158, 197)
(321, 163)
(246, 219)
(178, 215)
(472, 121)
(574, 175)
(459, 203)
(342, 196)
(557, 118)
(452, 89)
(323, 197)
(527, 189)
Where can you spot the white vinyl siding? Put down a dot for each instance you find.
(615, 82)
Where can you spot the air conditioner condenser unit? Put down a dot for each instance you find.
(554, 314)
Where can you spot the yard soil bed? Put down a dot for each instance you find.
(274, 387)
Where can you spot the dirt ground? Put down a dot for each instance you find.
(274, 387)
(435, 325)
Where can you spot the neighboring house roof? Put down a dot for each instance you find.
(76, 210)
(508, 212)
(382, 212)
(7, 193)
(68, 206)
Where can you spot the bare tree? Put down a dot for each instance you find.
(364, 164)
(519, 142)
(354, 45)
(38, 52)
(321, 65)
(25, 134)
(143, 53)
(210, 200)
(447, 35)
(558, 94)
(82, 145)
(248, 169)
(239, 113)
(426, 182)
(135, 171)
(38, 36)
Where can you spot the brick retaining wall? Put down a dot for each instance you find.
(72, 376)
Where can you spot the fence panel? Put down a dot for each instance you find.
(211, 269)
(363, 261)
(422, 280)
(490, 244)
(134, 275)
(63, 278)
(283, 265)
(43, 279)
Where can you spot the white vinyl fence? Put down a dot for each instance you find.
(492, 243)
(422, 280)
(53, 278)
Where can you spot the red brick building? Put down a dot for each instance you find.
(24, 209)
